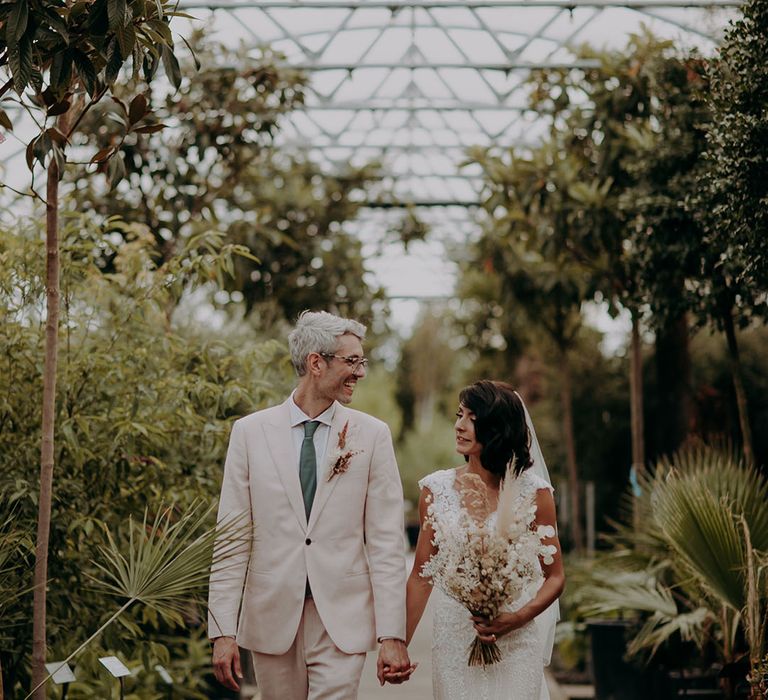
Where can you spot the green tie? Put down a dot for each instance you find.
(308, 465)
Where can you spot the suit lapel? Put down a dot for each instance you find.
(283, 453)
(325, 487)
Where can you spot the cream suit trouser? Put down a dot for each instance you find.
(314, 668)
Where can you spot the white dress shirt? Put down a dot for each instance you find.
(320, 438)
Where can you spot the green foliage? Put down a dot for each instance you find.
(184, 657)
(735, 186)
(89, 40)
(698, 513)
(167, 563)
(601, 423)
(664, 162)
(632, 129)
(143, 410)
(409, 228)
(422, 448)
(683, 564)
(528, 209)
(494, 338)
(16, 550)
(62, 58)
(165, 567)
(224, 114)
(215, 168)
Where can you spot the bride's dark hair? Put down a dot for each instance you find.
(500, 425)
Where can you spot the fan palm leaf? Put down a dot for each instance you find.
(700, 527)
(658, 628)
(167, 562)
(622, 591)
(695, 552)
(698, 503)
(636, 591)
(723, 473)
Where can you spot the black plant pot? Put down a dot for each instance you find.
(614, 676)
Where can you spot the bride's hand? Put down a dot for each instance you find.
(491, 630)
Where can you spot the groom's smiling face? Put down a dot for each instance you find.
(339, 379)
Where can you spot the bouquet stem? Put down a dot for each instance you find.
(483, 653)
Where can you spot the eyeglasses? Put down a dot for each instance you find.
(353, 361)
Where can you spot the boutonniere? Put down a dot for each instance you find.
(341, 456)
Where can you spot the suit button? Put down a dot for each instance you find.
(307, 541)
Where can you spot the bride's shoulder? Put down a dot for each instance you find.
(534, 482)
(437, 480)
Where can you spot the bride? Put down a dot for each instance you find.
(495, 435)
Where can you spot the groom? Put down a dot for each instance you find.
(323, 576)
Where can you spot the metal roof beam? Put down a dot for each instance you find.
(363, 107)
(681, 25)
(505, 67)
(395, 5)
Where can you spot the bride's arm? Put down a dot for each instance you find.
(418, 588)
(554, 579)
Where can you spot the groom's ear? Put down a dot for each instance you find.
(314, 363)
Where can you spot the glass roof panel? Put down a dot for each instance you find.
(415, 84)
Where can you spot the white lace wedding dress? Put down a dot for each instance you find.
(520, 673)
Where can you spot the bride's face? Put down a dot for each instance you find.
(466, 441)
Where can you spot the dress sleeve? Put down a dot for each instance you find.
(435, 482)
(537, 483)
(427, 482)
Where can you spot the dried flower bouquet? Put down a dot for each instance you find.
(483, 565)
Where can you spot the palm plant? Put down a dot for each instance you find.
(694, 565)
(166, 563)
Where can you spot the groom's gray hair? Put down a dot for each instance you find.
(319, 331)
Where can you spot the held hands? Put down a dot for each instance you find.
(393, 664)
(226, 662)
(491, 630)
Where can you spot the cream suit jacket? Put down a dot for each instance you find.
(352, 548)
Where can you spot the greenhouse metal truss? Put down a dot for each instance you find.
(413, 85)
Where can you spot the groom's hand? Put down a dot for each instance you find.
(226, 662)
(393, 664)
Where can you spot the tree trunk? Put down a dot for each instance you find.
(674, 403)
(566, 401)
(49, 411)
(737, 376)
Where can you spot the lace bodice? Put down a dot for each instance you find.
(446, 501)
(519, 675)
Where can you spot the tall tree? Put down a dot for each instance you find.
(664, 160)
(633, 126)
(218, 169)
(734, 190)
(62, 58)
(589, 114)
